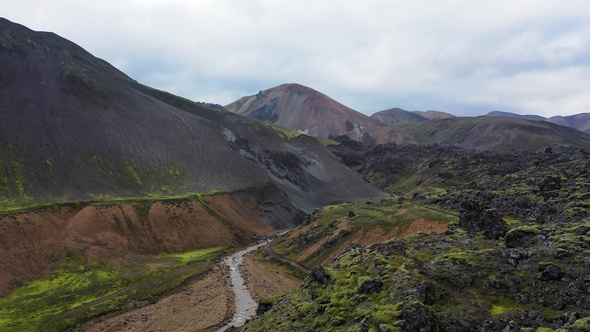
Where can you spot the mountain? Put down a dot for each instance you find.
(514, 115)
(434, 114)
(394, 116)
(306, 110)
(94, 163)
(496, 133)
(578, 121)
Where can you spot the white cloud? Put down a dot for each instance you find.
(460, 56)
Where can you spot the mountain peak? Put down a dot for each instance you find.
(304, 109)
(397, 115)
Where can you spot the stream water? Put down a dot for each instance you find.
(245, 304)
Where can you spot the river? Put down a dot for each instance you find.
(245, 304)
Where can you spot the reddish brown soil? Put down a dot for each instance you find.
(264, 280)
(32, 244)
(343, 224)
(378, 235)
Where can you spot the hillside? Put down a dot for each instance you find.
(98, 169)
(512, 254)
(495, 133)
(578, 121)
(514, 115)
(394, 116)
(97, 133)
(305, 110)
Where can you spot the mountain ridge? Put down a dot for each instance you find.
(496, 133)
(396, 115)
(579, 121)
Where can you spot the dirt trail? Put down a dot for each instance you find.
(269, 252)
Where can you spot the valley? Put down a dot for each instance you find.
(121, 204)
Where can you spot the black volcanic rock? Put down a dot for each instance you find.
(475, 217)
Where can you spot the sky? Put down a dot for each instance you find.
(465, 57)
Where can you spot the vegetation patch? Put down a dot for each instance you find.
(80, 289)
(327, 142)
(336, 225)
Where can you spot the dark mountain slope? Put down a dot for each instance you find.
(496, 133)
(75, 128)
(306, 110)
(394, 116)
(578, 121)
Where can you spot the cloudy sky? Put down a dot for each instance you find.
(466, 57)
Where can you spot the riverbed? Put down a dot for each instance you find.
(245, 305)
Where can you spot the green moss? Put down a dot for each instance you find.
(284, 133)
(502, 309)
(133, 172)
(582, 324)
(510, 220)
(118, 225)
(535, 229)
(61, 301)
(175, 174)
(17, 171)
(327, 142)
(70, 286)
(143, 209)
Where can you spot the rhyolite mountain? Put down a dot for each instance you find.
(303, 109)
(396, 115)
(76, 133)
(578, 121)
(495, 133)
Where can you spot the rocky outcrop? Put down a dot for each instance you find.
(475, 217)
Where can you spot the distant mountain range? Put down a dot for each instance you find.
(303, 109)
(496, 133)
(577, 121)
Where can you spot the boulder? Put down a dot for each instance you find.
(474, 218)
(550, 272)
